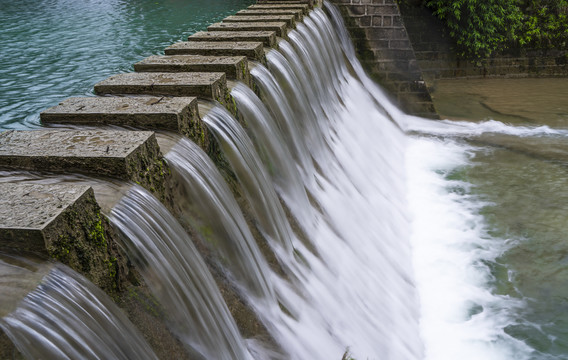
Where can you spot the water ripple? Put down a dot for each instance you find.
(54, 49)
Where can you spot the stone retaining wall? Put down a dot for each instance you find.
(164, 93)
(434, 51)
(384, 49)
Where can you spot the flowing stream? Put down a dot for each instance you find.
(63, 316)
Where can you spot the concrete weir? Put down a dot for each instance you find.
(30, 228)
(63, 221)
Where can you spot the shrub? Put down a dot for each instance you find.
(480, 27)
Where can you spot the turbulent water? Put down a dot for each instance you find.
(389, 236)
(349, 285)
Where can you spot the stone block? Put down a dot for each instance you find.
(298, 14)
(398, 54)
(383, 10)
(357, 10)
(377, 21)
(234, 67)
(386, 34)
(399, 44)
(98, 152)
(268, 38)
(365, 21)
(378, 44)
(304, 7)
(203, 85)
(127, 155)
(290, 20)
(178, 114)
(310, 3)
(279, 27)
(252, 50)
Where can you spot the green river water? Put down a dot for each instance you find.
(524, 180)
(54, 49)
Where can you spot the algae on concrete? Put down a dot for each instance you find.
(63, 222)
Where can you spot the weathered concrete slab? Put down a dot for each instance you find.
(290, 20)
(310, 3)
(177, 114)
(271, 6)
(279, 27)
(268, 38)
(205, 85)
(62, 221)
(235, 67)
(252, 50)
(298, 13)
(99, 152)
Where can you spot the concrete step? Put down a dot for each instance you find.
(178, 114)
(268, 38)
(298, 13)
(204, 85)
(290, 20)
(310, 3)
(252, 50)
(107, 153)
(287, 6)
(64, 222)
(279, 27)
(235, 67)
(30, 213)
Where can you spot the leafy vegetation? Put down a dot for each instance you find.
(481, 27)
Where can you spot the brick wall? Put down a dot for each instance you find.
(437, 58)
(382, 44)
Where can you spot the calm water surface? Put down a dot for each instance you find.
(523, 181)
(54, 49)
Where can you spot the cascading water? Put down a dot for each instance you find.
(177, 276)
(215, 213)
(66, 317)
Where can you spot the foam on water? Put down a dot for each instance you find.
(460, 316)
(470, 129)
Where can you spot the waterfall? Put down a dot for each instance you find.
(66, 317)
(177, 276)
(321, 166)
(343, 179)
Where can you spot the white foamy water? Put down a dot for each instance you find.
(466, 128)
(460, 316)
